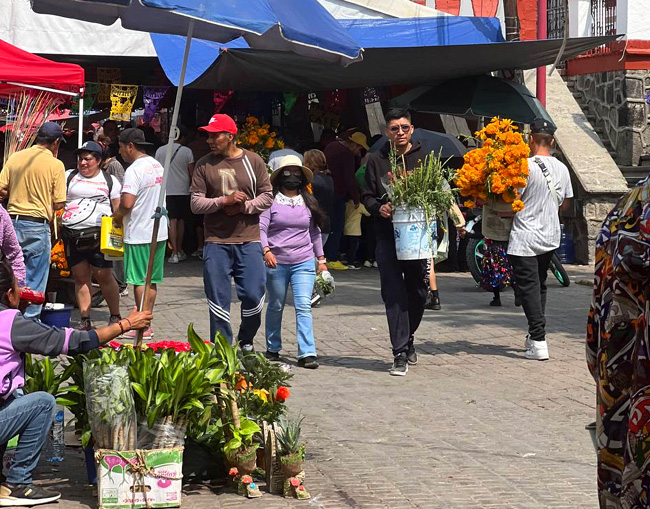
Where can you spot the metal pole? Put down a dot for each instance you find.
(541, 34)
(145, 304)
(44, 89)
(80, 139)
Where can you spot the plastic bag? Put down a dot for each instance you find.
(111, 410)
(163, 435)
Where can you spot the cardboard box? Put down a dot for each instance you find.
(139, 479)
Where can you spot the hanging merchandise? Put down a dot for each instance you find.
(376, 124)
(122, 99)
(220, 100)
(290, 99)
(106, 76)
(276, 113)
(90, 96)
(152, 97)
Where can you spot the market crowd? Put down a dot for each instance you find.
(266, 225)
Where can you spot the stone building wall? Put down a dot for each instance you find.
(617, 105)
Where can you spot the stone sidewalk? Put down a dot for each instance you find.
(474, 424)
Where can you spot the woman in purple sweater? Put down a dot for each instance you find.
(291, 239)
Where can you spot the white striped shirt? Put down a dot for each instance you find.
(536, 229)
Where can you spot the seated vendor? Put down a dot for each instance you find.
(30, 415)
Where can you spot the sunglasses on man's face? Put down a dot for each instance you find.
(397, 128)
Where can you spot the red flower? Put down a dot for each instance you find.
(233, 471)
(282, 393)
(295, 482)
(246, 479)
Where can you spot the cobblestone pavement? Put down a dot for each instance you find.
(474, 424)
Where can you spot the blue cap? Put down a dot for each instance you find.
(91, 146)
(51, 130)
(542, 126)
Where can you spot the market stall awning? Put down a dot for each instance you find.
(396, 51)
(18, 67)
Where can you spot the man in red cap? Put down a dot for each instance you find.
(231, 187)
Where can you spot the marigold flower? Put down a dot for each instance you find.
(517, 205)
(469, 204)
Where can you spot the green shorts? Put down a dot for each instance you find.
(136, 260)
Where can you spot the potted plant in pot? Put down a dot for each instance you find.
(241, 450)
(418, 197)
(290, 448)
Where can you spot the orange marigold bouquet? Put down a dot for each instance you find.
(259, 138)
(498, 169)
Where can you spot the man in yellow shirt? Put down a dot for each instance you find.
(34, 180)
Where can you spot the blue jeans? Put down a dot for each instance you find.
(301, 277)
(29, 415)
(245, 264)
(36, 243)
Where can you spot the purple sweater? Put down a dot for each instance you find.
(10, 247)
(289, 231)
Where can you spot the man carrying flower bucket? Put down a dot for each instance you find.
(535, 232)
(403, 289)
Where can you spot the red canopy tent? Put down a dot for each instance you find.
(19, 68)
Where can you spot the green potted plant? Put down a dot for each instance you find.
(290, 449)
(241, 449)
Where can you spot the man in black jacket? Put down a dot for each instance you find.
(403, 286)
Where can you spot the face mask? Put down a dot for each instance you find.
(291, 182)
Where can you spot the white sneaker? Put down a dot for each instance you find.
(173, 258)
(528, 344)
(375, 265)
(367, 264)
(538, 351)
(182, 257)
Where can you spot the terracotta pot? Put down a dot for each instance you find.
(244, 460)
(291, 465)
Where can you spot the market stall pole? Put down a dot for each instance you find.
(266, 24)
(541, 34)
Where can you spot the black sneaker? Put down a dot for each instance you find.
(25, 495)
(308, 362)
(411, 354)
(272, 356)
(400, 365)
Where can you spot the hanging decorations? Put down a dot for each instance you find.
(106, 76)
(90, 96)
(375, 114)
(290, 99)
(152, 97)
(122, 99)
(220, 100)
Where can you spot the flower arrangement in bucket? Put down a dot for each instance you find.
(418, 197)
(259, 138)
(494, 174)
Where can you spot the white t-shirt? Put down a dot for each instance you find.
(178, 180)
(87, 200)
(143, 180)
(276, 156)
(536, 228)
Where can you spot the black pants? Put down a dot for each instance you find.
(337, 222)
(369, 238)
(404, 293)
(530, 274)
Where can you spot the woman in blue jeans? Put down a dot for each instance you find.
(30, 415)
(291, 239)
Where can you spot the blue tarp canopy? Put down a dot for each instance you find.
(396, 51)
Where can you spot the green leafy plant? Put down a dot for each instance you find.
(47, 375)
(289, 440)
(242, 437)
(262, 379)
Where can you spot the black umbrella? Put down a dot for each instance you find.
(480, 96)
(446, 145)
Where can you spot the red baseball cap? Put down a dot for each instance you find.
(220, 123)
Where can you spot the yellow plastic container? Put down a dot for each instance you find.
(112, 241)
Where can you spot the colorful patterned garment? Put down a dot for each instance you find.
(618, 352)
(496, 271)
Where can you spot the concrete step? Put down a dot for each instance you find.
(634, 174)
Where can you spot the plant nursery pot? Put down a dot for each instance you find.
(291, 465)
(244, 460)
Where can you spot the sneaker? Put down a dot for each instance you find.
(336, 266)
(247, 349)
(315, 299)
(114, 319)
(124, 291)
(528, 344)
(375, 265)
(148, 334)
(353, 266)
(411, 354)
(308, 362)
(400, 365)
(272, 356)
(198, 254)
(182, 256)
(538, 351)
(12, 495)
(85, 324)
(367, 264)
(173, 258)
